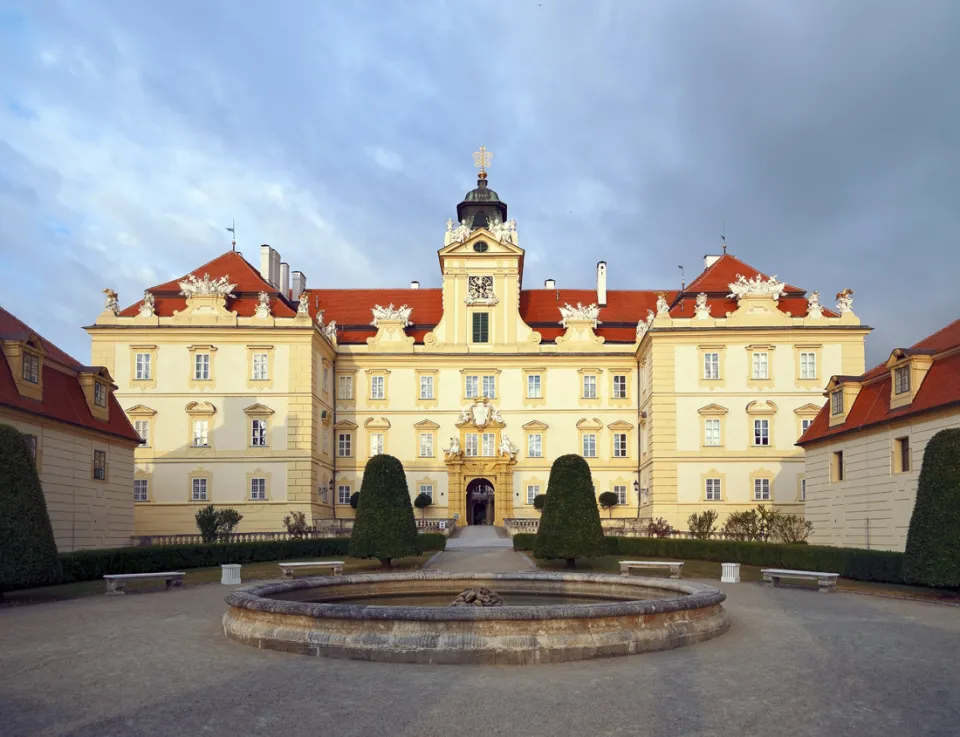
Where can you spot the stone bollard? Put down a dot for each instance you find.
(731, 573)
(230, 573)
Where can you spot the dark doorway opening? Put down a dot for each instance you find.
(480, 502)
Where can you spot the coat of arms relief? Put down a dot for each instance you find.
(480, 291)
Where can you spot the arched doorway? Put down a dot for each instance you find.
(480, 502)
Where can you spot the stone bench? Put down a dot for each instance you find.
(676, 567)
(289, 568)
(826, 581)
(116, 581)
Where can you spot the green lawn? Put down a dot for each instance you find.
(249, 572)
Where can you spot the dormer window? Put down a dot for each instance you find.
(31, 368)
(99, 394)
(836, 402)
(901, 380)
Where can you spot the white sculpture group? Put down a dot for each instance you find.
(702, 307)
(303, 307)
(457, 233)
(503, 231)
(813, 305)
(845, 301)
(401, 313)
(662, 307)
(192, 286)
(644, 325)
(479, 413)
(110, 301)
(263, 306)
(590, 312)
(149, 305)
(756, 286)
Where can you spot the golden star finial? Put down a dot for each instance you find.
(482, 159)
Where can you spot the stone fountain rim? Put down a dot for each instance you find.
(692, 596)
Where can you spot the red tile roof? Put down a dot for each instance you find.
(721, 273)
(63, 398)
(940, 388)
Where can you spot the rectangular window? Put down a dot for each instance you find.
(836, 402)
(533, 490)
(489, 444)
(471, 447)
(808, 365)
(713, 490)
(589, 445)
(376, 443)
(31, 368)
(711, 365)
(343, 445)
(761, 490)
(201, 367)
(804, 424)
(139, 490)
(345, 387)
(143, 430)
(376, 387)
(143, 366)
(426, 445)
(200, 433)
(589, 386)
(31, 441)
(426, 387)
(490, 387)
(326, 376)
(901, 379)
(343, 494)
(838, 466)
(258, 438)
(260, 367)
(427, 489)
(534, 445)
(619, 387)
(99, 394)
(803, 490)
(711, 432)
(199, 490)
(619, 445)
(258, 490)
(761, 366)
(902, 456)
(481, 327)
(621, 492)
(761, 432)
(534, 386)
(472, 388)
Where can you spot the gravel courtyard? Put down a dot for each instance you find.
(796, 662)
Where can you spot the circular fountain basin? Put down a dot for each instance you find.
(576, 616)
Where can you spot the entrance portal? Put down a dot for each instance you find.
(480, 502)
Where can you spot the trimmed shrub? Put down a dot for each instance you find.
(214, 523)
(608, 500)
(296, 524)
(28, 551)
(932, 556)
(702, 524)
(570, 524)
(385, 527)
(659, 528)
(791, 529)
(355, 499)
(422, 502)
(538, 501)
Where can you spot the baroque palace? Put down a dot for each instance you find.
(270, 397)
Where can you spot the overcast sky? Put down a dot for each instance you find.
(825, 134)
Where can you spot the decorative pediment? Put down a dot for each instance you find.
(200, 408)
(712, 409)
(535, 425)
(140, 410)
(345, 425)
(756, 287)
(426, 425)
(372, 423)
(258, 410)
(391, 323)
(590, 424)
(761, 407)
(808, 409)
(620, 425)
(494, 244)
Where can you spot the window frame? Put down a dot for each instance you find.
(428, 437)
(488, 442)
(344, 492)
(99, 465)
(99, 394)
(711, 365)
(901, 380)
(620, 386)
(593, 443)
(536, 492)
(538, 444)
(535, 379)
(621, 445)
(471, 392)
(707, 424)
(203, 484)
(475, 438)
(378, 381)
(145, 436)
(201, 366)
(426, 485)
(204, 424)
(621, 491)
(348, 394)
(138, 497)
(258, 433)
(761, 487)
(589, 380)
(713, 489)
(261, 366)
(902, 454)
(836, 402)
(836, 466)
(344, 443)
(426, 382)
(262, 490)
(761, 432)
(377, 443)
(806, 374)
(480, 327)
(30, 367)
(143, 366)
(760, 369)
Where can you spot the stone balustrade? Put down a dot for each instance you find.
(616, 527)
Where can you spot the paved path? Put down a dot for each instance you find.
(796, 662)
(478, 536)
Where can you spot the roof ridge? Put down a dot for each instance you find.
(933, 335)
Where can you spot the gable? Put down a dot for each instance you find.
(494, 247)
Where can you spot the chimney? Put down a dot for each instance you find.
(275, 268)
(602, 283)
(285, 279)
(299, 285)
(709, 261)
(265, 261)
(414, 285)
(550, 284)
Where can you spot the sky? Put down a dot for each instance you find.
(821, 138)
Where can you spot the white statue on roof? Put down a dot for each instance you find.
(303, 308)
(503, 231)
(756, 286)
(111, 301)
(319, 319)
(401, 313)
(331, 330)
(644, 325)
(191, 286)
(590, 312)
(263, 306)
(702, 307)
(662, 307)
(845, 301)
(460, 233)
(814, 309)
(149, 306)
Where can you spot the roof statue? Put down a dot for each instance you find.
(457, 233)
(503, 231)
(331, 330)
(662, 307)
(303, 307)
(263, 306)
(743, 287)
(644, 325)
(702, 308)
(191, 286)
(401, 313)
(590, 312)
(845, 301)
(110, 301)
(148, 307)
(814, 309)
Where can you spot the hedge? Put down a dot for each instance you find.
(854, 563)
(88, 565)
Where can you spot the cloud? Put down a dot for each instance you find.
(384, 158)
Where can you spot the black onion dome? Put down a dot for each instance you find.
(481, 206)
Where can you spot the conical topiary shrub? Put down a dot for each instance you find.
(570, 522)
(28, 552)
(932, 556)
(385, 527)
